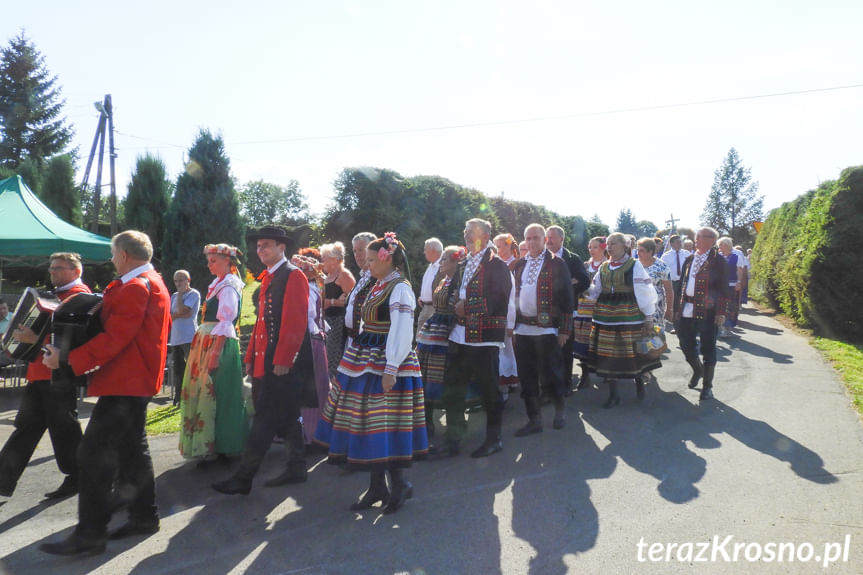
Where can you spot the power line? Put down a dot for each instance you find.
(524, 120)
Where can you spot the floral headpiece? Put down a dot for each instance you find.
(459, 254)
(222, 250)
(391, 245)
(305, 263)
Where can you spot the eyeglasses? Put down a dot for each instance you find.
(58, 268)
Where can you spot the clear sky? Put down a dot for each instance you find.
(553, 97)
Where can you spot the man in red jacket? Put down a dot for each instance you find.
(125, 364)
(46, 405)
(279, 359)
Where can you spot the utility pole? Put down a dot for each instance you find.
(106, 119)
(109, 108)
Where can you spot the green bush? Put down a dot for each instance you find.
(807, 260)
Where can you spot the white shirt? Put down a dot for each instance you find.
(130, 275)
(645, 293)
(457, 334)
(527, 297)
(228, 291)
(401, 335)
(698, 261)
(69, 285)
(277, 265)
(671, 257)
(314, 296)
(427, 289)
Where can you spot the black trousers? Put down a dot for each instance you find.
(466, 364)
(179, 353)
(277, 412)
(540, 359)
(115, 446)
(44, 406)
(704, 329)
(676, 286)
(567, 359)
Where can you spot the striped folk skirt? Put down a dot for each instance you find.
(367, 428)
(612, 351)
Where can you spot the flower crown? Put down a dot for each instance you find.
(222, 250)
(391, 244)
(459, 254)
(306, 263)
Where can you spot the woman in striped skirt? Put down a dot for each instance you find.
(374, 419)
(433, 335)
(582, 317)
(625, 302)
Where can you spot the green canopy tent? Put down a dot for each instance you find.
(30, 232)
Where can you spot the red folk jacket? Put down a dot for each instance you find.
(128, 357)
(282, 320)
(38, 371)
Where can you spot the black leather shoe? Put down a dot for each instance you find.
(6, 491)
(131, 528)
(487, 448)
(706, 393)
(559, 422)
(639, 388)
(400, 494)
(611, 401)
(75, 545)
(68, 488)
(287, 477)
(233, 486)
(370, 498)
(448, 449)
(531, 427)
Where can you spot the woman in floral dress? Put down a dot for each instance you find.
(211, 404)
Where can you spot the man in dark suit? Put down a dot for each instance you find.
(580, 281)
(543, 321)
(279, 359)
(703, 305)
(125, 364)
(482, 291)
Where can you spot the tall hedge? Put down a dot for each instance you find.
(807, 260)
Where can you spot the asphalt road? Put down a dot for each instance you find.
(772, 466)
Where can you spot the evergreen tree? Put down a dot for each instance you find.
(204, 210)
(147, 201)
(596, 228)
(262, 203)
(31, 125)
(626, 223)
(58, 190)
(732, 205)
(646, 229)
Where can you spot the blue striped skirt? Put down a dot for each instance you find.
(368, 429)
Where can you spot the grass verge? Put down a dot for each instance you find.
(847, 359)
(163, 420)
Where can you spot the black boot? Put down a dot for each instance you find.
(238, 484)
(697, 371)
(707, 387)
(583, 379)
(377, 492)
(559, 413)
(430, 429)
(534, 418)
(402, 491)
(295, 470)
(613, 398)
(639, 387)
(492, 443)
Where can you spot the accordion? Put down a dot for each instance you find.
(34, 310)
(76, 321)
